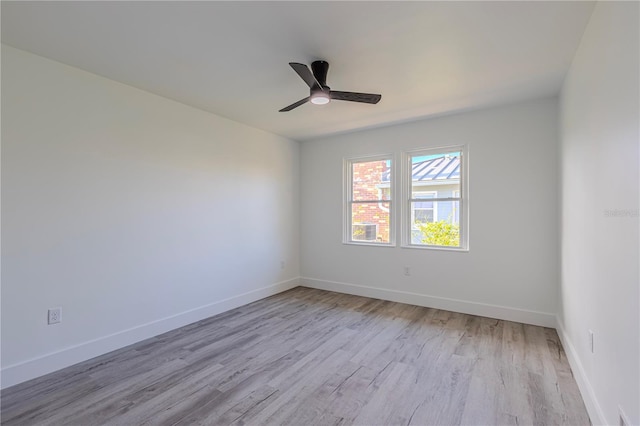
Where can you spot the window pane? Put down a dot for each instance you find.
(437, 172)
(439, 226)
(423, 215)
(371, 180)
(426, 196)
(370, 222)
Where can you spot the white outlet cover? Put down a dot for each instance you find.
(54, 316)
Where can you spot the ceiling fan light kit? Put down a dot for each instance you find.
(320, 98)
(319, 92)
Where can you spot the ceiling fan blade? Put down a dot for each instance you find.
(304, 73)
(296, 104)
(367, 98)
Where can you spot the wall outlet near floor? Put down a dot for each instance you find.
(406, 271)
(591, 340)
(282, 264)
(54, 316)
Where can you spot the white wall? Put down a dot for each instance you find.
(511, 269)
(600, 256)
(133, 213)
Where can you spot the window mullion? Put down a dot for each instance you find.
(434, 199)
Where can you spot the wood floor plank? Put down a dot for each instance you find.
(161, 406)
(312, 357)
(446, 393)
(348, 399)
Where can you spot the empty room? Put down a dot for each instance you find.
(320, 213)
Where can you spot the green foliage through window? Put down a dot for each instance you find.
(441, 233)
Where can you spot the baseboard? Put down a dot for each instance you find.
(588, 396)
(36, 367)
(543, 319)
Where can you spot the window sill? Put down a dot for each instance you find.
(439, 248)
(353, 243)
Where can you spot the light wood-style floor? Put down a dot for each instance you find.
(308, 357)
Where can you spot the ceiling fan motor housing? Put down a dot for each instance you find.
(320, 69)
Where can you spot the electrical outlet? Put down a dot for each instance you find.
(407, 271)
(591, 340)
(55, 316)
(282, 264)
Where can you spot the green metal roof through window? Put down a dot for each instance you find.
(439, 168)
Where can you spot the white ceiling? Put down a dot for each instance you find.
(231, 58)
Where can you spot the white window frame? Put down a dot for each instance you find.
(463, 199)
(348, 200)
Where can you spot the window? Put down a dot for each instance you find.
(368, 184)
(439, 177)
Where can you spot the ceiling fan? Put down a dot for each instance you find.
(320, 93)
